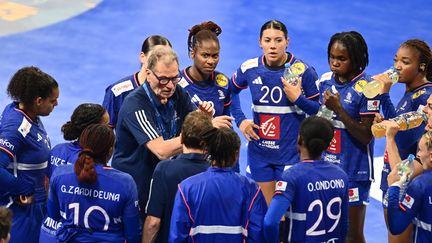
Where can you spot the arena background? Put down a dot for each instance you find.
(88, 44)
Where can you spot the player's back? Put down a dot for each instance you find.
(319, 197)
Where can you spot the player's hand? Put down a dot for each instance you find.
(206, 107)
(392, 128)
(292, 92)
(25, 200)
(385, 80)
(332, 101)
(378, 118)
(222, 121)
(247, 128)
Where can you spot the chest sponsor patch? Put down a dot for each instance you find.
(373, 105)
(408, 201)
(359, 85)
(269, 127)
(281, 185)
(335, 145)
(122, 87)
(183, 83)
(418, 94)
(25, 127)
(221, 80)
(353, 194)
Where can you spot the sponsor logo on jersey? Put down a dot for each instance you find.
(373, 105)
(281, 185)
(335, 145)
(6, 144)
(386, 160)
(408, 201)
(122, 87)
(183, 83)
(353, 194)
(359, 85)
(298, 68)
(25, 127)
(418, 93)
(269, 127)
(221, 80)
(348, 98)
(251, 63)
(257, 81)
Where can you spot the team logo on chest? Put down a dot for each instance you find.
(348, 98)
(221, 95)
(269, 127)
(257, 81)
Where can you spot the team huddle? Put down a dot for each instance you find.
(168, 133)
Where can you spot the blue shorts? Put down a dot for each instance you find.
(358, 192)
(265, 172)
(27, 221)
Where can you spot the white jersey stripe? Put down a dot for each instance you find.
(423, 225)
(145, 126)
(277, 109)
(23, 166)
(218, 229)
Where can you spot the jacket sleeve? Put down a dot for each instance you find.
(180, 219)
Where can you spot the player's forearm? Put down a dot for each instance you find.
(392, 152)
(164, 149)
(151, 228)
(357, 129)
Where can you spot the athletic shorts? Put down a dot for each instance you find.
(265, 172)
(358, 192)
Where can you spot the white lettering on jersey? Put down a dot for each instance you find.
(81, 191)
(408, 201)
(7, 144)
(196, 99)
(325, 185)
(251, 63)
(122, 87)
(183, 83)
(221, 94)
(25, 127)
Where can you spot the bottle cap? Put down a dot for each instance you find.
(287, 65)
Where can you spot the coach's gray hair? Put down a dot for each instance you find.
(164, 54)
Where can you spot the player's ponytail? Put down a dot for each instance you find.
(222, 145)
(315, 135)
(96, 141)
(204, 31)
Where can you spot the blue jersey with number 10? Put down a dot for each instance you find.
(92, 212)
(278, 118)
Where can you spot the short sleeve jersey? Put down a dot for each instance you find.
(62, 154)
(115, 95)
(279, 119)
(27, 142)
(214, 91)
(355, 158)
(95, 207)
(318, 192)
(407, 140)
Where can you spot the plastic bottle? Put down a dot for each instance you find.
(405, 167)
(290, 75)
(374, 87)
(405, 121)
(325, 112)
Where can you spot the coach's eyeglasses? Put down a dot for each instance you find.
(166, 80)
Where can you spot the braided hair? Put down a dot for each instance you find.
(201, 32)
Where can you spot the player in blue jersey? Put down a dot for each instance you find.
(414, 62)
(150, 121)
(25, 150)
(272, 132)
(116, 93)
(415, 203)
(314, 192)
(201, 80)
(218, 205)
(352, 144)
(67, 153)
(94, 203)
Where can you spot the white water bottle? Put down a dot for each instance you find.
(289, 75)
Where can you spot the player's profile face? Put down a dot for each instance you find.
(406, 61)
(274, 44)
(339, 60)
(424, 155)
(46, 106)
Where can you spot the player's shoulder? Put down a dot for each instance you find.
(221, 79)
(123, 85)
(249, 64)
